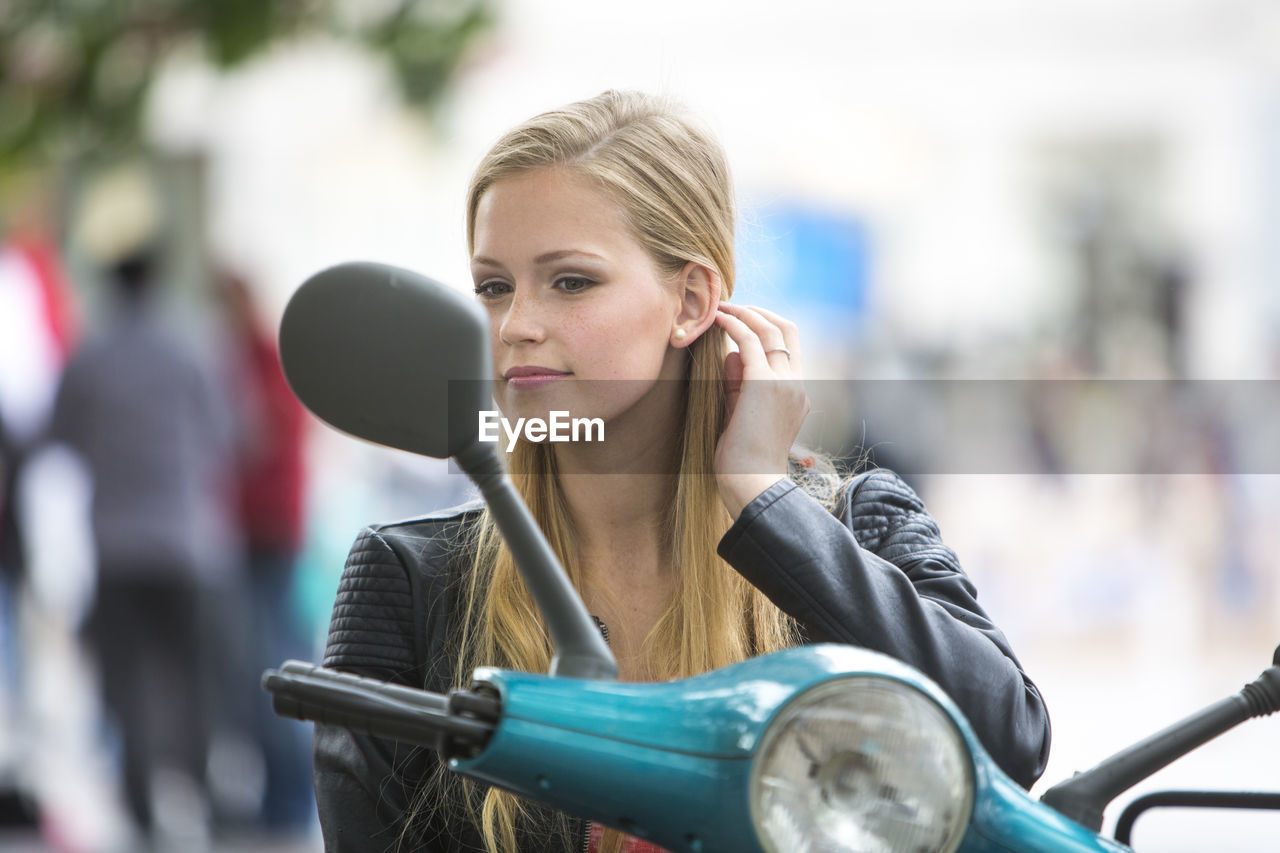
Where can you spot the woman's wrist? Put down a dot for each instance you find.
(738, 490)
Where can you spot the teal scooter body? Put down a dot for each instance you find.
(626, 754)
(1007, 820)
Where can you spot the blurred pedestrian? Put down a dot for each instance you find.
(137, 404)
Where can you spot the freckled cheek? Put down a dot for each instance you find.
(573, 325)
(585, 331)
(621, 342)
(596, 351)
(615, 353)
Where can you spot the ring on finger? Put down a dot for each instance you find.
(782, 350)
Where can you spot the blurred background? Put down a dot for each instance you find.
(983, 190)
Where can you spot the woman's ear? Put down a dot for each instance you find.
(698, 289)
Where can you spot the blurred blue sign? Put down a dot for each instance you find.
(801, 259)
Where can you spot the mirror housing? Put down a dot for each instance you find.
(355, 343)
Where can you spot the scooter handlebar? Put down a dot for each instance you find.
(458, 723)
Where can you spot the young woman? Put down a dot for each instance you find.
(601, 237)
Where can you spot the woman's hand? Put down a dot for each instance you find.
(766, 402)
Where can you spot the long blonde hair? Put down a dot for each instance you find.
(670, 179)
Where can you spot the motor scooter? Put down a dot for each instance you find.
(815, 749)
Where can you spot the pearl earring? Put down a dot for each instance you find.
(681, 334)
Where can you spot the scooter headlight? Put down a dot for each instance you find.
(864, 764)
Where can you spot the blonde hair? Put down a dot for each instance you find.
(671, 182)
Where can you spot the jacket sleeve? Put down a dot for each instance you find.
(879, 576)
(366, 785)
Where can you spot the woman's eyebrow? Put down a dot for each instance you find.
(541, 260)
(561, 254)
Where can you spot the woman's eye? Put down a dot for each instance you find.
(492, 289)
(573, 283)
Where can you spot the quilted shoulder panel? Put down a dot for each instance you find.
(391, 613)
(889, 519)
(372, 624)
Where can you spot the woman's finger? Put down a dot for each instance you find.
(771, 337)
(778, 337)
(790, 334)
(750, 347)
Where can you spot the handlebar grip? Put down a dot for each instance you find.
(305, 691)
(399, 692)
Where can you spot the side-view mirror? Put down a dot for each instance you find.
(375, 351)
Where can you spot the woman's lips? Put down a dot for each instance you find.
(532, 376)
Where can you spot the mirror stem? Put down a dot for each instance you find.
(1085, 796)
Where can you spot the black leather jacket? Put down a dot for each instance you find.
(877, 575)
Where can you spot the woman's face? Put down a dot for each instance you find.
(571, 295)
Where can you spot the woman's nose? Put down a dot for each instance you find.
(522, 322)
